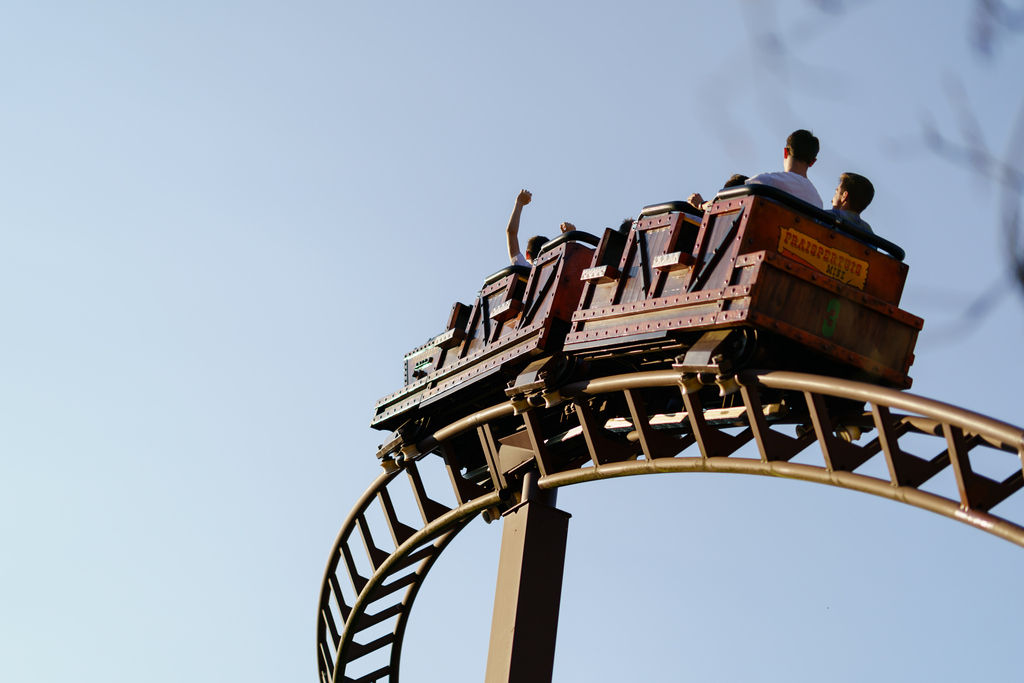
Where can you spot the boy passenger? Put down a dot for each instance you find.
(853, 195)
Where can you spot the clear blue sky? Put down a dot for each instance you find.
(224, 223)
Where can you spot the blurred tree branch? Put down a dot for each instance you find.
(992, 19)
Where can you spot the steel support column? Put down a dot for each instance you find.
(526, 601)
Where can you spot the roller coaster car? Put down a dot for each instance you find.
(519, 314)
(762, 279)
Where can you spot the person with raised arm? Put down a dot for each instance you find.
(534, 244)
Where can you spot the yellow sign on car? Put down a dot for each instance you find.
(833, 262)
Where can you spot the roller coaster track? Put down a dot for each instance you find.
(368, 591)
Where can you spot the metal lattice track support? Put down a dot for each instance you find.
(372, 624)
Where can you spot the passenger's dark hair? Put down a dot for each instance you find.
(860, 190)
(803, 145)
(626, 225)
(735, 181)
(534, 244)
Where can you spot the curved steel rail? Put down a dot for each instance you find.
(396, 575)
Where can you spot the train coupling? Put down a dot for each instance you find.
(538, 384)
(714, 360)
(713, 352)
(694, 382)
(401, 442)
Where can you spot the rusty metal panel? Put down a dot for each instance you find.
(511, 321)
(652, 263)
(851, 331)
(777, 229)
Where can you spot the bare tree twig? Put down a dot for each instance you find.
(991, 19)
(1006, 173)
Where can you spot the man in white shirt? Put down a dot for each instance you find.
(799, 155)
